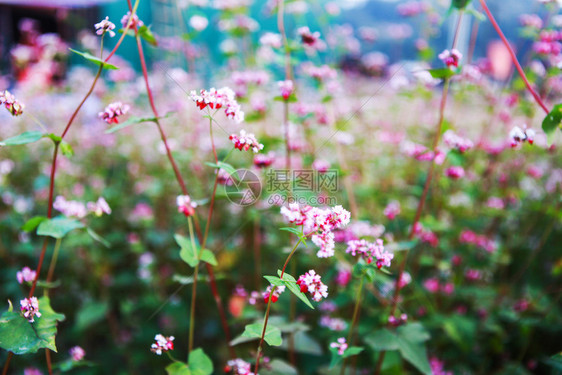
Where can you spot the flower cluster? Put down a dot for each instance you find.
(185, 205)
(518, 136)
(246, 141)
(310, 282)
(277, 291)
(426, 235)
(216, 99)
(287, 87)
(99, 207)
(422, 153)
(162, 344)
(11, 103)
(320, 73)
(26, 275)
(78, 209)
(310, 39)
(412, 8)
(451, 58)
(319, 221)
(455, 172)
(77, 353)
(135, 22)
(457, 142)
(111, 113)
(433, 286)
(333, 324)
(238, 367)
(105, 26)
(370, 251)
(481, 241)
(271, 40)
(549, 43)
(30, 308)
(263, 160)
(341, 345)
(392, 210)
(395, 322)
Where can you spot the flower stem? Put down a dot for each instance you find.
(513, 56)
(194, 288)
(7, 363)
(53, 263)
(354, 320)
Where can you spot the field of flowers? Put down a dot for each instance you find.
(309, 207)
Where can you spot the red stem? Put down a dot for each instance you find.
(513, 56)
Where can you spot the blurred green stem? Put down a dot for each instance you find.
(354, 320)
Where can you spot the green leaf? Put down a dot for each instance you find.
(55, 138)
(291, 283)
(292, 230)
(382, 339)
(414, 332)
(274, 280)
(66, 149)
(178, 368)
(58, 227)
(415, 353)
(272, 334)
(91, 313)
(136, 120)
(199, 363)
(351, 351)
(187, 253)
(278, 367)
(208, 257)
(460, 4)
(304, 343)
(32, 223)
(146, 34)
(19, 336)
(97, 237)
(22, 139)
(94, 59)
(442, 73)
(228, 168)
(552, 121)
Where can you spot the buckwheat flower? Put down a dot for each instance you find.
(437, 367)
(326, 242)
(30, 308)
(321, 166)
(11, 103)
(99, 207)
(105, 26)
(70, 208)
(185, 205)
(287, 87)
(311, 282)
(341, 345)
(219, 98)
(495, 202)
(392, 210)
(273, 40)
(263, 160)
(455, 172)
(162, 344)
(404, 280)
(451, 58)
(343, 278)
(246, 141)
(113, 111)
(320, 73)
(456, 142)
(135, 23)
(238, 367)
(432, 285)
(198, 23)
(77, 353)
(26, 275)
(277, 291)
(472, 274)
(392, 320)
(224, 178)
(308, 38)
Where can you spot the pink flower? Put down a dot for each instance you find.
(326, 242)
(405, 279)
(185, 205)
(392, 210)
(198, 23)
(70, 208)
(162, 344)
(77, 353)
(113, 111)
(11, 103)
(277, 291)
(246, 141)
(271, 40)
(448, 288)
(472, 274)
(370, 251)
(412, 8)
(455, 172)
(26, 274)
(394, 321)
(321, 166)
(518, 135)
(100, 207)
(437, 367)
(495, 202)
(216, 99)
(32, 371)
(30, 308)
(238, 367)
(105, 26)
(136, 22)
(320, 73)
(343, 278)
(263, 161)
(287, 87)
(311, 282)
(451, 58)
(310, 39)
(341, 345)
(432, 285)
(456, 142)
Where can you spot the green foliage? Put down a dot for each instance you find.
(254, 331)
(58, 227)
(552, 122)
(95, 60)
(22, 139)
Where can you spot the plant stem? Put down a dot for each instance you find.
(354, 320)
(266, 318)
(7, 363)
(513, 56)
(194, 289)
(53, 263)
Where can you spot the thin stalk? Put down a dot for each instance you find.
(513, 56)
(48, 360)
(266, 318)
(7, 363)
(53, 263)
(194, 288)
(354, 320)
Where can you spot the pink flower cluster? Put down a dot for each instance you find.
(392, 210)
(255, 77)
(518, 136)
(412, 8)
(79, 210)
(277, 291)
(105, 26)
(310, 39)
(531, 20)
(30, 308)
(395, 322)
(136, 22)
(451, 58)
(11, 103)
(263, 160)
(246, 141)
(112, 112)
(185, 205)
(77, 353)
(319, 222)
(287, 88)
(369, 251)
(457, 142)
(421, 153)
(549, 43)
(426, 235)
(481, 241)
(162, 344)
(454, 172)
(433, 286)
(216, 99)
(333, 324)
(26, 275)
(341, 345)
(437, 367)
(321, 73)
(311, 282)
(238, 367)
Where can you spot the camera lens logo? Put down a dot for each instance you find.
(243, 187)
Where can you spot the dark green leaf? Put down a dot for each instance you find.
(91, 313)
(415, 353)
(94, 59)
(382, 339)
(22, 139)
(32, 223)
(272, 334)
(414, 332)
(552, 121)
(58, 227)
(460, 4)
(278, 367)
